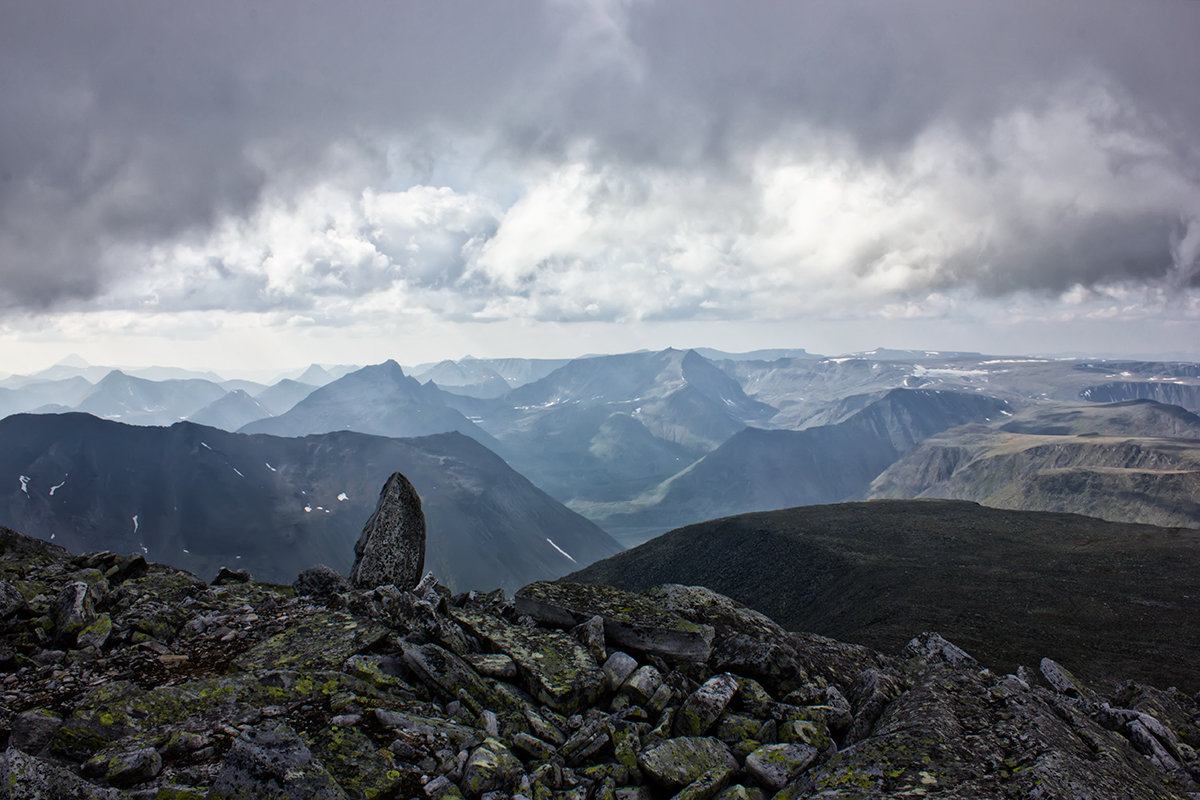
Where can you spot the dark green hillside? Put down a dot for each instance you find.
(1008, 586)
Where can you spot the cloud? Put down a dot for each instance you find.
(608, 161)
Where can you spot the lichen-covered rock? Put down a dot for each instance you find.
(273, 763)
(932, 648)
(72, 611)
(703, 707)
(26, 777)
(96, 634)
(553, 667)
(323, 640)
(776, 765)
(630, 620)
(675, 763)
(11, 600)
(490, 767)
(642, 684)
(391, 549)
(320, 581)
(227, 576)
(125, 767)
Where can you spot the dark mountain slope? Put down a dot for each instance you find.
(1127, 418)
(1008, 586)
(379, 400)
(200, 497)
(765, 469)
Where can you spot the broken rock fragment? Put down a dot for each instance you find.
(391, 549)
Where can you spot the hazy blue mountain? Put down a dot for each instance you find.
(315, 375)
(756, 355)
(230, 412)
(65, 392)
(283, 394)
(469, 377)
(252, 388)
(143, 402)
(758, 470)
(608, 427)
(379, 400)
(199, 497)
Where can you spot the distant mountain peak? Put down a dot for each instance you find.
(73, 360)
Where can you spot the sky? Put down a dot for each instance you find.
(267, 184)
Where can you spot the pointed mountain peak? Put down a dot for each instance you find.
(73, 360)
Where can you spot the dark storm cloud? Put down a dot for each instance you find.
(141, 123)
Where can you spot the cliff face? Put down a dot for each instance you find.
(120, 678)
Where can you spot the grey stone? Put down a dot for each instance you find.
(125, 768)
(1062, 681)
(706, 786)
(493, 665)
(675, 763)
(617, 667)
(631, 620)
(72, 611)
(490, 767)
(872, 690)
(226, 576)
(590, 634)
(552, 666)
(391, 549)
(776, 765)
(931, 648)
(11, 600)
(641, 685)
(320, 581)
(33, 730)
(704, 707)
(272, 762)
(26, 777)
(96, 634)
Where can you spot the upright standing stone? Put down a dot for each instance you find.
(392, 546)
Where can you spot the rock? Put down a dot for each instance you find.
(675, 763)
(741, 793)
(872, 690)
(33, 730)
(95, 635)
(490, 767)
(26, 777)
(11, 600)
(706, 786)
(703, 707)
(273, 762)
(321, 641)
(744, 641)
(226, 576)
(931, 648)
(72, 611)
(125, 768)
(320, 581)
(591, 635)
(642, 684)
(493, 665)
(1062, 681)
(617, 667)
(391, 549)
(630, 620)
(552, 666)
(776, 765)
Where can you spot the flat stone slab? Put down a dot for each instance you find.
(552, 666)
(318, 642)
(630, 620)
(675, 763)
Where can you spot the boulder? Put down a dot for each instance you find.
(776, 765)
(675, 763)
(490, 767)
(73, 610)
(33, 730)
(391, 549)
(227, 576)
(320, 581)
(273, 762)
(704, 707)
(11, 600)
(552, 666)
(631, 620)
(26, 777)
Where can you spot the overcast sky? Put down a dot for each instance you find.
(275, 183)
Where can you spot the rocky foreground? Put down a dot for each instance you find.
(120, 678)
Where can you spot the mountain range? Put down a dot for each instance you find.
(201, 498)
